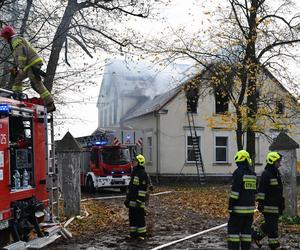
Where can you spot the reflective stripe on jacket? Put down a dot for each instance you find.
(137, 187)
(270, 190)
(243, 190)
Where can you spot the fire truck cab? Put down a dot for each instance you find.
(23, 170)
(106, 166)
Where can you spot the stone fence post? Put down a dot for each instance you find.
(286, 146)
(68, 159)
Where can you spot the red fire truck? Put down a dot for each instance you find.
(107, 160)
(24, 199)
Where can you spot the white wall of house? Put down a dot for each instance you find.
(169, 134)
(148, 125)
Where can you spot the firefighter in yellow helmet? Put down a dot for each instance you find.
(135, 199)
(29, 65)
(270, 201)
(241, 203)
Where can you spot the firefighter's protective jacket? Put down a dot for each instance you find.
(137, 188)
(243, 190)
(24, 54)
(270, 191)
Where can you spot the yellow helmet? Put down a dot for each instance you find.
(272, 157)
(241, 156)
(141, 159)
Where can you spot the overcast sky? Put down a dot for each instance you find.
(81, 111)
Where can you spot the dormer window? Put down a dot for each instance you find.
(221, 102)
(279, 107)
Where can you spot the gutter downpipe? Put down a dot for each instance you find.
(156, 114)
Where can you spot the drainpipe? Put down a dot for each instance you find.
(156, 114)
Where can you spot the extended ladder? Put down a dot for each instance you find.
(196, 147)
(52, 170)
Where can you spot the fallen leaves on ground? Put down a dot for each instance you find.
(291, 229)
(101, 216)
(209, 201)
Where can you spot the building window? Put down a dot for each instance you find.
(101, 122)
(257, 150)
(190, 149)
(149, 148)
(221, 149)
(192, 97)
(105, 118)
(221, 102)
(115, 113)
(110, 121)
(279, 107)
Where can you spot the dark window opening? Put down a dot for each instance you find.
(279, 107)
(192, 98)
(221, 102)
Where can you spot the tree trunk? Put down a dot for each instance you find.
(25, 18)
(58, 41)
(239, 131)
(252, 64)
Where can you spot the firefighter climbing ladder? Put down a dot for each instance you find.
(196, 147)
(52, 171)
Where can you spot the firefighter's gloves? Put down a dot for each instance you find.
(260, 207)
(126, 203)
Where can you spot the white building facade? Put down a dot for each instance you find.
(167, 138)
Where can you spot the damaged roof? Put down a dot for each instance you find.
(154, 105)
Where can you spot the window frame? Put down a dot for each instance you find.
(257, 150)
(226, 147)
(223, 103)
(279, 107)
(187, 146)
(149, 148)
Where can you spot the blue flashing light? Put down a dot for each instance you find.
(127, 137)
(122, 172)
(100, 143)
(4, 108)
(112, 172)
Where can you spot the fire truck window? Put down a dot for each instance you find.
(94, 156)
(116, 156)
(16, 128)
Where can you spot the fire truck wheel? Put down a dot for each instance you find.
(90, 185)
